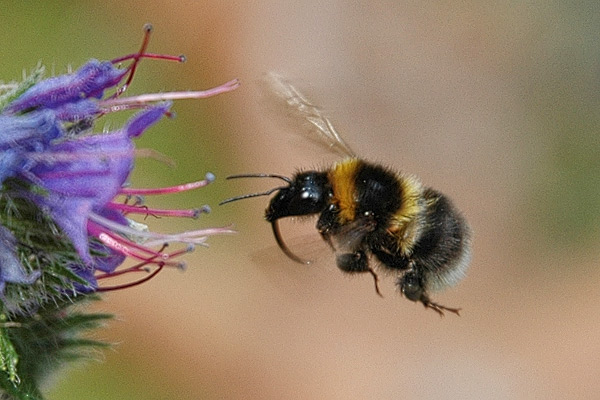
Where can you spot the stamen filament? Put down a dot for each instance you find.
(172, 189)
(155, 56)
(108, 238)
(118, 246)
(202, 236)
(191, 213)
(190, 237)
(117, 242)
(130, 284)
(154, 97)
(133, 66)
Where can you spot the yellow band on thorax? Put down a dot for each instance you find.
(407, 222)
(343, 181)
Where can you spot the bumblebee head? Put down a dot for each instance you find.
(305, 194)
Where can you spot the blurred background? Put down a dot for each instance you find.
(496, 104)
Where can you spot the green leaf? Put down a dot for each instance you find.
(35, 346)
(8, 356)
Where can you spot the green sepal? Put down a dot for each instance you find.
(41, 246)
(40, 327)
(10, 92)
(37, 345)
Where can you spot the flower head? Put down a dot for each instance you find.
(78, 179)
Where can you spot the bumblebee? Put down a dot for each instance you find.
(367, 211)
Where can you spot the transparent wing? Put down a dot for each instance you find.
(302, 108)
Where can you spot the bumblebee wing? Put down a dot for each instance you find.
(350, 237)
(301, 108)
(351, 249)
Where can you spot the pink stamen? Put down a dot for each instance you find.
(197, 237)
(96, 221)
(141, 267)
(122, 245)
(136, 57)
(205, 232)
(118, 246)
(192, 213)
(138, 201)
(131, 284)
(146, 40)
(128, 247)
(172, 189)
(118, 104)
(117, 243)
(136, 60)
(155, 56)
(177, 253)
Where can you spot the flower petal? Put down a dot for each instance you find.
(88, 81)
(20, 135)
(80, 175)
(143, 120)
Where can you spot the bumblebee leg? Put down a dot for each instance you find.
(356, 263)
(438, 307)
(413, 289)
(376, 280)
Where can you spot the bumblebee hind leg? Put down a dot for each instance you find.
(412, 288)
(357, 262)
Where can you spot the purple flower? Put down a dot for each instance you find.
(20, 136)
(90, 81)
(79, 177)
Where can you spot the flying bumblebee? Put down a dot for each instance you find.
(366, 211)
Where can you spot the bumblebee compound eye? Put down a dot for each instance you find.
(307, 194)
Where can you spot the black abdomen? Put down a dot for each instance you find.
(442, 252)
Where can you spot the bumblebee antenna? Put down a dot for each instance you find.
(248, 196)
(283, 178)
(266, 193)
(274, 223)
(284, 247)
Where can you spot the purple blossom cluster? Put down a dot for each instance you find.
(78, 178)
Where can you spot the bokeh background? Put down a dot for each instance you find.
(495, 103)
